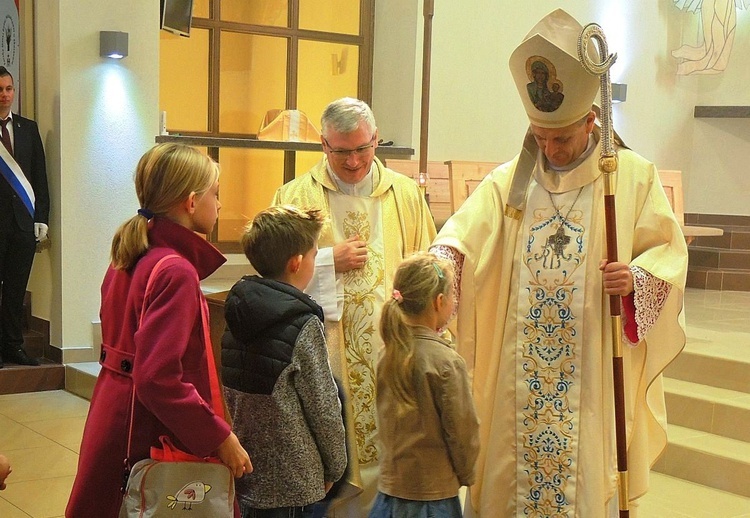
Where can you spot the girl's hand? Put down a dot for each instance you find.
(234, 455)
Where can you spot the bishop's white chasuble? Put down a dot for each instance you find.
(533, 326)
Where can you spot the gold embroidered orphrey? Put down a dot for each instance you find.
(360, 334)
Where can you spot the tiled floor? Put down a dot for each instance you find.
(40, 432)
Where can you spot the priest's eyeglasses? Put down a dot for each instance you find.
(343, 154)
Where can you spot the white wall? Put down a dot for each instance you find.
(97, 117)
(398, 26)
(475, 113)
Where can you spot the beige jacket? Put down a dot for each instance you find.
(428, 450)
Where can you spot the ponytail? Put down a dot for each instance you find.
(419, 279)
(399, 350)
(129, 243)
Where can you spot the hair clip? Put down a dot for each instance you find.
(397, 296)
(440, 273)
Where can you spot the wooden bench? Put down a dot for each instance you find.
(438, 185)
(464, 176)
(672, 183)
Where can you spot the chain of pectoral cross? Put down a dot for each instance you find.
(560, 239)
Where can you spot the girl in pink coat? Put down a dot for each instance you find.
(162, 353)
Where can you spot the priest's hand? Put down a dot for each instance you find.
(349, 255)
(617, 278)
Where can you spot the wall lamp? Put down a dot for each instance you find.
(619, 92)
(113, 44)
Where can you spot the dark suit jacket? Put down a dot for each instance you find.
(29, 153)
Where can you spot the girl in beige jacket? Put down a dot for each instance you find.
(426, 418)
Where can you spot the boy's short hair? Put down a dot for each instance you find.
(277, 234)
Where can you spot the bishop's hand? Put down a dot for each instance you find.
(616, 278)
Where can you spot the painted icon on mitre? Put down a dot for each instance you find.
(545, 90)
(555, 89)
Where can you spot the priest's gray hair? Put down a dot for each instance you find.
(344, 116)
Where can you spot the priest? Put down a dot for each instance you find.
(375, 218)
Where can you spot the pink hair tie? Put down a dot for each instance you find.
(397, 296)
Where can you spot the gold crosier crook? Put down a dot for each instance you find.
(608, 166)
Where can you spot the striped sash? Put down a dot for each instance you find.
(12, 173)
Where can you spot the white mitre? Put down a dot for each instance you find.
(555, 89)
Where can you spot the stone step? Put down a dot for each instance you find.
(725, 266)
(707, 459)
(80, 378)
(709, 409)
(707, 278)
(670, 497)
(712, 370)
(22, 378)
(34, 342)
(50, 375)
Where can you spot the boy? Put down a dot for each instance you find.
(278, 384)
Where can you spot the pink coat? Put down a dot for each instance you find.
(164, 358)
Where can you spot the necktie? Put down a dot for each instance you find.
(6, 135)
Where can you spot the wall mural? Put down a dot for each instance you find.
(719, 20)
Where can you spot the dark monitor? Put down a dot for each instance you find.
(176, 16)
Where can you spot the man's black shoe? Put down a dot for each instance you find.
(20, 357)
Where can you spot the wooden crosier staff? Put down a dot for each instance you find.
(608, 166)
(429, 12)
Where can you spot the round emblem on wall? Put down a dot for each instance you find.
(8, 42)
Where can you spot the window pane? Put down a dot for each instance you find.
(253, 80)
(249, 178)
(258, 12)
(201, 8)
(339, 16)
(326, 72)
(181, 86)
(305, 160)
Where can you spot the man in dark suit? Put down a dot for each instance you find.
(24, 216)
